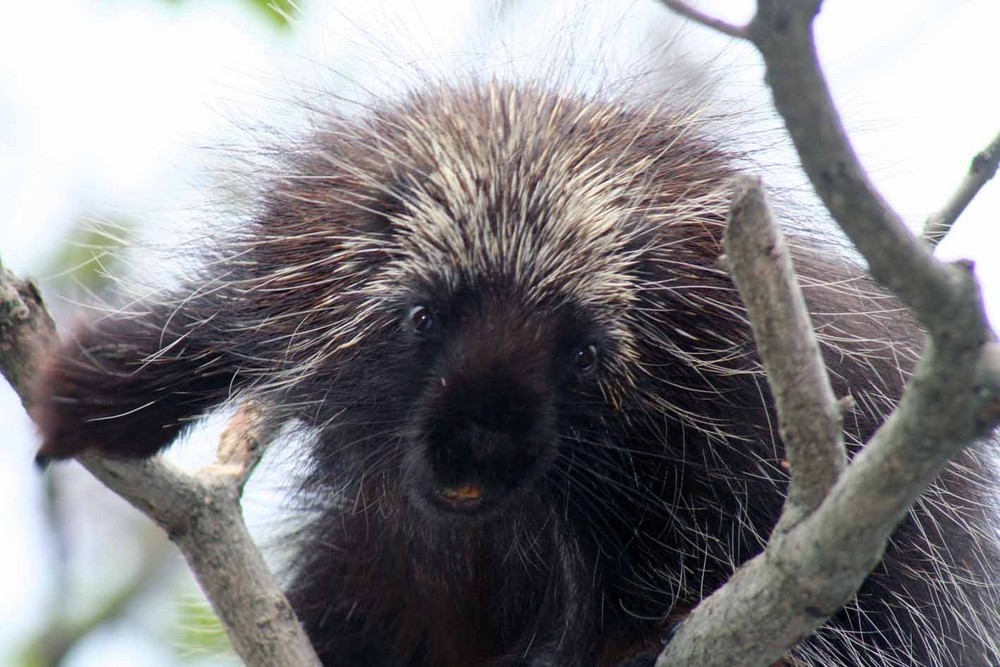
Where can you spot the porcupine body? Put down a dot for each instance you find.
(542, 433)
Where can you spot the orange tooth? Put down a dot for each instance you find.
(463, 493)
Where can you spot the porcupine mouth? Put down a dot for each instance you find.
(459, 499)
(466, 500)
(466, 492)
(465, 495)
(470, 492)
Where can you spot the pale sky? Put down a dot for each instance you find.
(106, 107)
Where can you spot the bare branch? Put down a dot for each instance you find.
(944, 297)
(982, 169)
(201, 514)
(813, 566)
(808, 413)
(782, 31)
(810, 571)
(687, 11)
(242, 444)
(25, 329)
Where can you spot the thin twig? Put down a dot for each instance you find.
(689, 12)
(242, 444)
(982, 169)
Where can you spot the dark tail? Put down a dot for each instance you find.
(129, 382)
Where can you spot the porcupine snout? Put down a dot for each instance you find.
(485, 427)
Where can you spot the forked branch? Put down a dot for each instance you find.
(200, 512)
(823, 548)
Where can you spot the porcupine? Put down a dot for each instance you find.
(542, 433)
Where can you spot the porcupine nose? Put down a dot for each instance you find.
(486, 438)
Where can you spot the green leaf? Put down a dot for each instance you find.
(282, 13)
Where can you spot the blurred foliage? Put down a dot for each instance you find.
(69, 623)
(281, 14)
(89, 255)
(200, 633)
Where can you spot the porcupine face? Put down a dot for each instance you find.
(494, 254)
(510, 277)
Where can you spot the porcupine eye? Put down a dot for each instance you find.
(421, 319)
(585, 359)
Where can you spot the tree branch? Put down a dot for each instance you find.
(981, 170)
(687, 11)
(810, 419)
(782, 32)
(26, 328)
(200, 513)
(813, 564)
